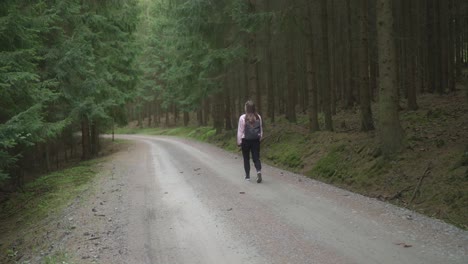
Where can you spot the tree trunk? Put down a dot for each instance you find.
(350, 100)
(325, 69)
(140, 116)
(437, 52)
(176, 113)
(218, 112)
(443, 38)
(332, 55)
(113, 130)
(167, 118)
(206, 111)
(47, 156)
(85, 142)
(411, 53)
(253, 62)
(311, 79)
(373, 53)
(451, 46)
(94, 139)
(431, 53)
(291, 80)
(149, 109)
(200, 117)
(269, 70)
(227, 104)
(186, 118)
(367, 122)
(391, 133)
(157, 113)
(423, 69)
(458, 39)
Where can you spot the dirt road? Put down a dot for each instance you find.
(187, 202)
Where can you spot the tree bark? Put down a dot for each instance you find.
(94, 139)
(458, 39)
(253, 86)
(200, 117)
(411, 54)
(325, 69)
(291, 88)
(349, 81)
(186, 118)
(451, 46)
(227, 104)
(218, 112)
(47, 156)
(391, 132)
(149, 109)
(311, 79)
(431, 53)
(367, 122)
(269, 70)
(206, 111)
(373, 53)
(443, 38)
(85, 142)
(437, 52)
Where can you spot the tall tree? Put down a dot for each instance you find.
(311, 72)
(254, 88)
(367, 122)
(391, 132)
(325, 69)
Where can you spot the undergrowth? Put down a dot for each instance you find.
(49, 193)
(26, 213)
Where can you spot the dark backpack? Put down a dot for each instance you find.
(252, 131)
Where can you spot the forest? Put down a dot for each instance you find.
(73, 70)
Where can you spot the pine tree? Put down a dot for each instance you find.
(391, 133)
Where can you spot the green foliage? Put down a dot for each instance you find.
(187, 47)
(331, 166)
(205, 134)
(57, 258)
(38, 202)
(60, 62)
(287, 151)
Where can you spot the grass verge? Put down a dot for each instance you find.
(28, 216)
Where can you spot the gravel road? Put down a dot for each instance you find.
(187, 202)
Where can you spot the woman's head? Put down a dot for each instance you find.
(250, 112)
(250, 107)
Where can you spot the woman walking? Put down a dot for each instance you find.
(249, 134)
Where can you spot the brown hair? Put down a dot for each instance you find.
(251, 114)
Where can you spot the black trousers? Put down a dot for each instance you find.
(251, 146)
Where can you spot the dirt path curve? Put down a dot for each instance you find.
(187, 202)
